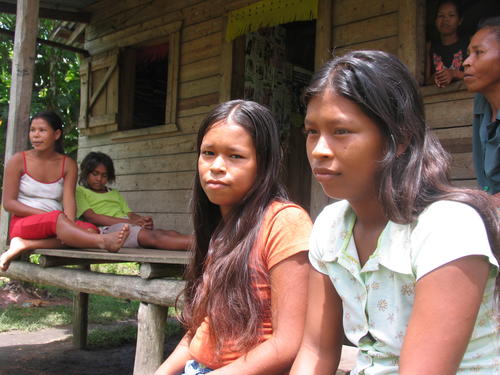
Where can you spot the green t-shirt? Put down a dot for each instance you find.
(110, 203)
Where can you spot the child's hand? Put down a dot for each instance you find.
(444, 77)
(148, 222)
(145, 222)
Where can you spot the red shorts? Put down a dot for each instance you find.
(40, 226)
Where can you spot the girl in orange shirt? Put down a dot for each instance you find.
(244, 304)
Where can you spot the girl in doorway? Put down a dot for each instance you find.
(107, 208)
(405, 263)
(39, 192)
(446, 55)
(244, 305)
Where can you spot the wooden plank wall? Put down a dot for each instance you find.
(373, 24)
(155, 173)
(449, 113)
(365, 24)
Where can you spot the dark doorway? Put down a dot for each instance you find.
(272, 66)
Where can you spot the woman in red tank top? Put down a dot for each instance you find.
(39, 192)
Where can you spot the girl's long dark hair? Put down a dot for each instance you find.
(55, 123)
(385, 91)
(222, 272)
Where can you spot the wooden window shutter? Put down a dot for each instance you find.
(99, 77)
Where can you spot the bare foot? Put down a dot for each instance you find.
(4, 261)
(16, 247)
(113, 242)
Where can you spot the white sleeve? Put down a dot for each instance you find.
(447, 231)
(325, 234)
(315, 247)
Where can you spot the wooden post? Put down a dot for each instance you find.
(322, 52)
(80, 316)
(226, 66)
(323, 44)
(80, 320)
(150, 338)
(411, 30)
(23, 64)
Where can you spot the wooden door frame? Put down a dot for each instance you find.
(323, 50)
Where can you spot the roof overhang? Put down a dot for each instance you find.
(64, 10)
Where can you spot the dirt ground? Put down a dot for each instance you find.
(48, 357)
(59, 357)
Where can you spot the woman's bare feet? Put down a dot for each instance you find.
(16, 247)
(113, 242)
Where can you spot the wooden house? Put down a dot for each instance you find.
(155, 68)
(207, 64)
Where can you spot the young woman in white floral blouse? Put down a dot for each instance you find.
(405, 264)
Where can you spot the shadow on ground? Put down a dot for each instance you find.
(60, 358)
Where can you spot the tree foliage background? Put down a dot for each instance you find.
(56, 83)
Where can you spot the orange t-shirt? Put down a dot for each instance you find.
(285, 232)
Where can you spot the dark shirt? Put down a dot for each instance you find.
(486, 145)
(450, 57)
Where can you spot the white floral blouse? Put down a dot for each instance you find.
(378, 299)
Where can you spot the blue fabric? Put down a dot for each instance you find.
(486, 145)
(195, 368)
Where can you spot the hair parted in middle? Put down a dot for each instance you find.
(222, 269)
(386, 92)
(90, 162)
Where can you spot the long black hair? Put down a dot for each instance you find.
(385, 91)
(55, 123)
(220, 275)
(91, 161)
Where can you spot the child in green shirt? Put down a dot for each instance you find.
(108, 209)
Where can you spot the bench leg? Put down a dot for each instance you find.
(150, 338)
(80, 315)
(80, 320)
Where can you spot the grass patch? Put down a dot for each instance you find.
(3, 281)
(103, 338)
(102, 310)
(129, 268)
(33, 319)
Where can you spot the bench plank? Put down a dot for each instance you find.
(124, 255)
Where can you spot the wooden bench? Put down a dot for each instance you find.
(154, 287)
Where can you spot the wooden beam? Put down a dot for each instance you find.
(63, 15)
(411, 33)
(23, 64)
(48, 261)
(157, 291)
(152, 270)
(323, 43)
(226, 66)
(151, 321)
(323, 52)
(51, 43)
(76, 33)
